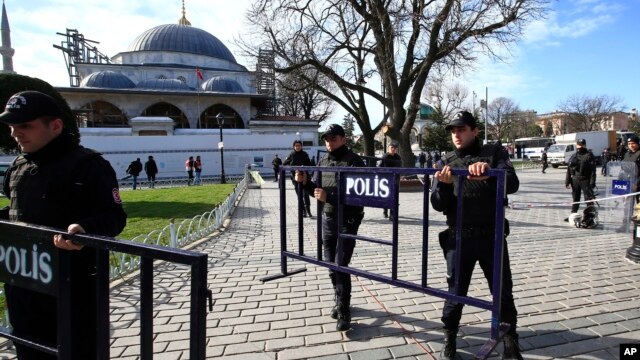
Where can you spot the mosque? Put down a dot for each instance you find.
(176, 91)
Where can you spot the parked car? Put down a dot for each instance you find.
(3, 170)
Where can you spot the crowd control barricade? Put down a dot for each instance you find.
(29, 259)
(379, 188)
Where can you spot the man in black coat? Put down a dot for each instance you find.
(478, 225)
(134, 170)
(299, 157)
(391, 159)
(581, 175)
(56, 182)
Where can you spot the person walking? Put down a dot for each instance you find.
(151, 169)
(299, 157)
(189, 166)
(197, 168)
(478, 230)
(391, 159)
(581, 175)
(422, 159)
(545, 162)
(338, 155)
(606, 157)
(134, 169)
(55, 182)
(276, 163)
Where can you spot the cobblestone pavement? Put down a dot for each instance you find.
(576, 294)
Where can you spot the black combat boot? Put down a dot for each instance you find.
(385, 214)
(334, 309)
(344, 315)
(308, 209)
(449, 347)
(511, 347)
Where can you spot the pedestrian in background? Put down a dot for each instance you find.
(189, 166)
(391, 159)
(197, 168)
(422, 159)
(478, 226)
(134, 169)
(299, 157)
(606, 157)
(338, 155)
(56, 182)
(545, 162)
(151, 169)
(276, 163)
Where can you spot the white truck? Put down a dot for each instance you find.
(559, 153)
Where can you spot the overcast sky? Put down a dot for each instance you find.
(584, 47)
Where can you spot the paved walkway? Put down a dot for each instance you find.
(576, 294)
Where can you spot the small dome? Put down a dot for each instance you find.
(221, 84)
(107, 79)
(181, 38)
(163, 84)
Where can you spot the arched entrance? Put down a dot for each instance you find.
(166, 109)
(101, 114)
(232, 120)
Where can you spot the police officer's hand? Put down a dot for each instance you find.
(477, 169)
(320, 194)
(60, 242)
(300, 176)
(444, 175)
(567, 186)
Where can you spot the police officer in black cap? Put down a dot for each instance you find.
(338, 155)
(581, 174)
(633, 155)
(58, 183)
(299, 157)
(391, 159)
(478, 225)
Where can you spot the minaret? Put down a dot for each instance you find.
(5, 50)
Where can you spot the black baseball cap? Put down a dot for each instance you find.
(27, 106)
(582, 142)
(633, 138)
(394, 143)
(333, 130)
(461, 119)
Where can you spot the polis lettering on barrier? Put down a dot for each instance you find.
(18, 262)
(375, 187)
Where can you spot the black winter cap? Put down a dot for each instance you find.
(333, 130)
(461, 119)
(27, 106)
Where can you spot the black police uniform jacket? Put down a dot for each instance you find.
(341, 157)
(297, 158)
(581, 165)
(389, 160)
(59, 185)
(634, 157)
(478, 197)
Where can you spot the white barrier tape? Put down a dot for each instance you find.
(515, 205)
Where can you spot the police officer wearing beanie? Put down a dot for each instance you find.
(56, 182)
(478, 230)
(338, 155)
(581, 174)
(299, 157)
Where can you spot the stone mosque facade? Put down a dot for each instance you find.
(164, 96)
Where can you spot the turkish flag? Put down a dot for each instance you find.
(199, 74)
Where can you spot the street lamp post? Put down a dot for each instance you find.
(220, 119)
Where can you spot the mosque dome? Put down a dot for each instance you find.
(181, 38)
(221, 84)
(163, 84)
(107, 79)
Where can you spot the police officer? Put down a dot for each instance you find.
(58, 183)
(391, 159)
(338, 155)
(633, 155)
(581, 174)
(299, 157)
(478, 230)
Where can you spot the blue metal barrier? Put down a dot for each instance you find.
(51, 278)
(379, 188)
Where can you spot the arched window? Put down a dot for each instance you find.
(101, 114)
(232, 120)
(182, 79)
(162, 77)
(168, 110)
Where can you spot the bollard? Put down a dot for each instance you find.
(174, 235)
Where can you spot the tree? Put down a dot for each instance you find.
(396, 42)
(348, 124)
(299, 97)
(502, 113)
(14, 83)
(585, 113)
